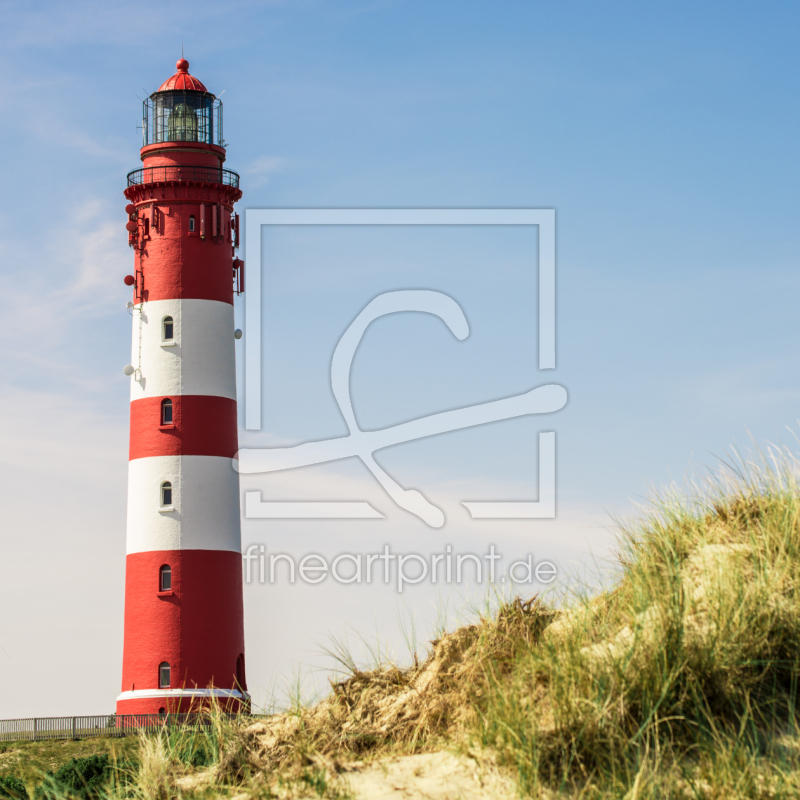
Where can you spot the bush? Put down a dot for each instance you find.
(84, 778)
(14, 788)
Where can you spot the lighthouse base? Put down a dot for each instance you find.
(173, 701)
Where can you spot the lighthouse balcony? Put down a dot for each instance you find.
(183, 173)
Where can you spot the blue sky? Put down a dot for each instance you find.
(664, 136)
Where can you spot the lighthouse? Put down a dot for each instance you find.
(184, 627)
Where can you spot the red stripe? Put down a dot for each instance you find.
(198, 629)
(203, 425)
(179, 265)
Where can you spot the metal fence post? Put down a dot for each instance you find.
(35, 721)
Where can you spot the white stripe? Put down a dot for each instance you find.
(202, 359)
(145, 694)
(205, 496)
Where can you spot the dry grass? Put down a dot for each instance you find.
(389, 709)
(683, 680)
(680, 682)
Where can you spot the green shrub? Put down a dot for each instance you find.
(13, 787)
(83, 778)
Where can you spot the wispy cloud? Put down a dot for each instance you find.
(73, 278)
(59, 24)
(260, 170)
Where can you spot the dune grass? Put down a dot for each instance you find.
(680, 681)
(683, 680)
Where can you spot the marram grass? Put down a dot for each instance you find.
(681, 681)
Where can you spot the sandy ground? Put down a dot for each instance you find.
(433, 776)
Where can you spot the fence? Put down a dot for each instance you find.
(41, 728)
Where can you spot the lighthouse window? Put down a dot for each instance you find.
(163, 675)
(166, 494)
(166, 412)
(168, 329)
(191, 223)
(165, 579)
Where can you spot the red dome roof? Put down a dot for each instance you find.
(182, 80)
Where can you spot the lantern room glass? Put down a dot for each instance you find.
(176, 116)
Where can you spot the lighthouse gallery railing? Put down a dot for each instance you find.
(183, 172)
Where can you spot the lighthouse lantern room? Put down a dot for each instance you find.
(184, 629)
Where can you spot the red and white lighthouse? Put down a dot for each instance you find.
(184, 629)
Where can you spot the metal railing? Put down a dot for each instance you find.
(117, 725)
(183, 172)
